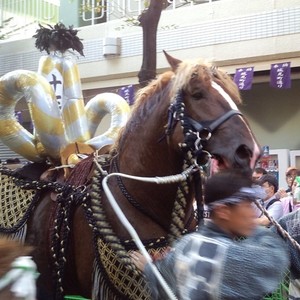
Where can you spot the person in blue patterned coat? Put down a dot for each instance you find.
(229, 257)
(291, 224)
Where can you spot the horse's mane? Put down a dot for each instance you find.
(144, 100)
(9, 251)
(180, 79)
(152, 88)
(187, 68)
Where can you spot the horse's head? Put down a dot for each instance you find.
(205, 103)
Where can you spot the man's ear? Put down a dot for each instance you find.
(222, 212)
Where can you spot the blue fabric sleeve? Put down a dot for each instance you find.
(291, 223)
(254, 266)
(166, 268)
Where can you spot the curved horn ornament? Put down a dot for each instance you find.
(50, 134)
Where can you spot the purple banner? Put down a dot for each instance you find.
(243, 78)
(281, 75)
(127, 92)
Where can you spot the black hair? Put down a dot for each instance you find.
(224, 184)
(270, 179)
(60, 37)
(260, 170)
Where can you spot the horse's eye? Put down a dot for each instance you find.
(198, 95)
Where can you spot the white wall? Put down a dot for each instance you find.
(274, 115)
(233, 33)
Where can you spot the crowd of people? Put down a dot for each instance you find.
(237, 253)
(278, 201)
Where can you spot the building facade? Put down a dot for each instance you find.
(231, 33)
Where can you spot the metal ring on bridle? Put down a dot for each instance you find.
(205, 134)
(201, 137)
(205, 156)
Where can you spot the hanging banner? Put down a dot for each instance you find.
(127, 92)
(281, 75)
(243, 78)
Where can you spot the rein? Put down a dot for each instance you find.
(283, 232)
(130, 199)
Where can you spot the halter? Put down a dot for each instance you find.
(195, 133)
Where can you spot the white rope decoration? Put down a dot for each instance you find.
(158, 180)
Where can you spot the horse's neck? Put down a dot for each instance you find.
(151, 158)
(145, 151)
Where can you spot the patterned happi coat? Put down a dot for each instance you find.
(291, 223)
(209, 264)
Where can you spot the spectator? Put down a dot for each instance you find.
(270, 202)
(211, 263)
(287, 196)
(258, 173)
(290, 176)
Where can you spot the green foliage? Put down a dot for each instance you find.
(87, 7)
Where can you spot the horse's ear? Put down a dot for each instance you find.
(174, 62)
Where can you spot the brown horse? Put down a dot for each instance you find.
(183, 118)
(9, 252)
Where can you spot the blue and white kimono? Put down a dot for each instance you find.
(209, 264)
(291, 223)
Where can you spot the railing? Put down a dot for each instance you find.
(19, 14)
(93, 10)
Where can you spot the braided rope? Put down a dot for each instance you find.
(26, 184)
(177, 227)
(178, 214)
(131, 200)
(283, 232)
(67, 200)
(19, 197)
(16, 187)
(102, 227)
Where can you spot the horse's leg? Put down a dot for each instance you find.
(78, 276)
(38, 237)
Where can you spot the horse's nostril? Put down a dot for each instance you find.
(243, 152)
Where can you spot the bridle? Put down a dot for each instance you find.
(196, 133)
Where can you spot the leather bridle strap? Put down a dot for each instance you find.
(210, 126)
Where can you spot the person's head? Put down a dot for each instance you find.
(258, 173)
(270, 185)
(290, 175)
(229, 196)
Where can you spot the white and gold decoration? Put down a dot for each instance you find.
(55, 102)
